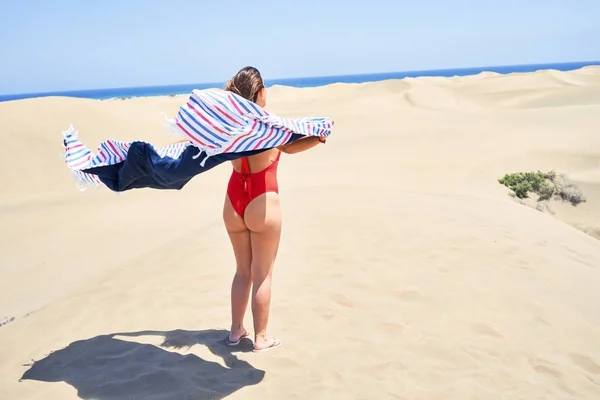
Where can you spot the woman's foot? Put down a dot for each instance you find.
(235, 336)
(264, 342)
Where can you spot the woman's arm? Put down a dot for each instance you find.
(301, 145)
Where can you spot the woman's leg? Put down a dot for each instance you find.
(242, 280)
(263, 218)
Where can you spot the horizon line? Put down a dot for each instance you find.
(590, 62)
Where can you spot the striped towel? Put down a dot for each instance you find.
(217, 121)
(219, 125)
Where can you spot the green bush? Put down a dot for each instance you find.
(521, 183)
(545, 185)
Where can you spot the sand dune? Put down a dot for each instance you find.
(406, 271)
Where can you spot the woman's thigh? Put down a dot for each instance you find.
(239, 236)
(263, 218)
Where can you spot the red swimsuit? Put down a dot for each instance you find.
(245, 186)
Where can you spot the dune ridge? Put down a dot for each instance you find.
(406, 271)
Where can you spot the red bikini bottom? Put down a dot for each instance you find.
(244, 186)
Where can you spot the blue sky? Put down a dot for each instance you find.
(49, 45)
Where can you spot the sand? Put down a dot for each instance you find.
(406, 271)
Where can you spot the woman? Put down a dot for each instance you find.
(252, 217)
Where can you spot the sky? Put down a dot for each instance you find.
(51, 45)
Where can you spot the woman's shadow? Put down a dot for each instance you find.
(107, 368)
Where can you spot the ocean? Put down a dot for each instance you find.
(167, 90)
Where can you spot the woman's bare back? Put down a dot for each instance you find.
(257, 162)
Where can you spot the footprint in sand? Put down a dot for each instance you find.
(551, 371)
(342, 300)
(324, 313)
(391, 327)
(541, 321)
(409, 295)
(485, 330)
(360, 286)
(586, 363)
(547, 370)
(544, 367)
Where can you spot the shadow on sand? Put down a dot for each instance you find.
(108, 368)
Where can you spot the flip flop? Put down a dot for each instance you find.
(229, 343)
(276, 343)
